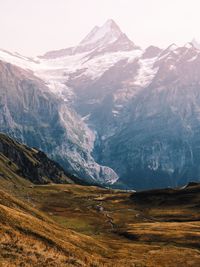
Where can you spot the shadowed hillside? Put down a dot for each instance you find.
(18, 160)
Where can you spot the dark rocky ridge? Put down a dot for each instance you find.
(32, 164)
(169, 197)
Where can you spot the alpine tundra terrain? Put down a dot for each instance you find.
(107, 110)
(48, 224)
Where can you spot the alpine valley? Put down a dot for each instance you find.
(107, 110)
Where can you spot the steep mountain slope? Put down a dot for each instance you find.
(158, 144)
(33, 115)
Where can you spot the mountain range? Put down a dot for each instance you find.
(107, 110)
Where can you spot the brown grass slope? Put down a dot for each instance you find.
(169, 215)
(74, 225)
(30, 238)
(74, 232)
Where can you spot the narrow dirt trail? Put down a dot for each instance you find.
(110, 221)
(105, 213)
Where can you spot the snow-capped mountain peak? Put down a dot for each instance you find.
(100, 40)
(109, 31)
(107, 38)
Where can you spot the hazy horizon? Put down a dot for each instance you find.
(35, 27)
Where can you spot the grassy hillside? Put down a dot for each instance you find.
(96, 227)
(75, 225)
(29, 238)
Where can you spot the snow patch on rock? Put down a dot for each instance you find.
(146, 72)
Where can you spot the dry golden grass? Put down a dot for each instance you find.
(62, 225)
(181, 233)
(29, 237)
(74, 225)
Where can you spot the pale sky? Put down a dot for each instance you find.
(32, 27)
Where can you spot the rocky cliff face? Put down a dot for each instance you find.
(30, 113)
(157, 143)
(146, 115)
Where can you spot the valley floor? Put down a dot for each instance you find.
(73, 225)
